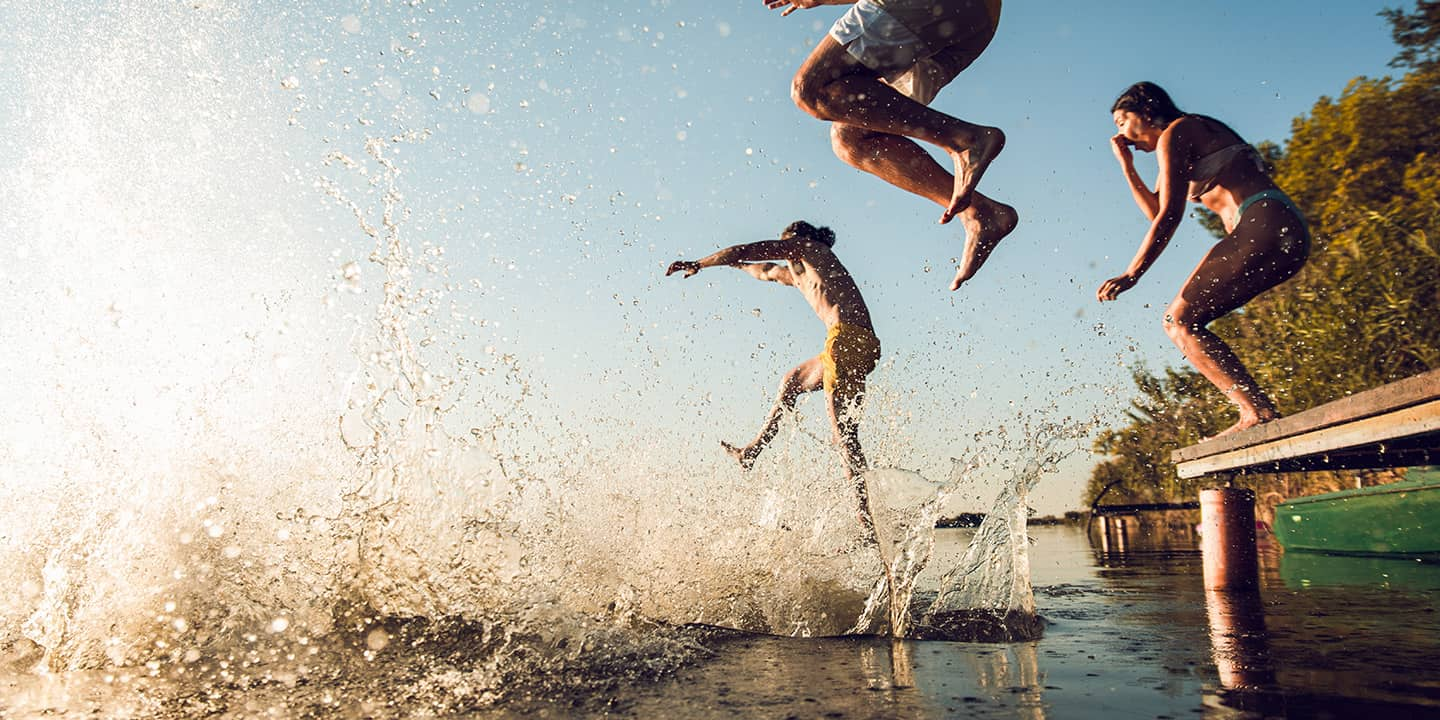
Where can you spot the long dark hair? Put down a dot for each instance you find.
(1150, 102)
(804, 230)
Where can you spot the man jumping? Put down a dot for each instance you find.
(851, 348)
(873, 77)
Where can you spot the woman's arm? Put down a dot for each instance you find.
(1170, 210)
(1149, 202)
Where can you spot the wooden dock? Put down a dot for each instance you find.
(1395, 425)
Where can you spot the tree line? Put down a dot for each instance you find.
(1364, 169)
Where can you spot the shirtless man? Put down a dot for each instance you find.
(873, 77)
(851, 348)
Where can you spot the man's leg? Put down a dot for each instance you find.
(844, 402)
(806, 377)
(831, 85)
(902, 163)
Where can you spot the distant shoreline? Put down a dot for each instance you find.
(973, 520)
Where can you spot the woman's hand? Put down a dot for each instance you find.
(1112, 288)
(1121, 145)
(689, 267)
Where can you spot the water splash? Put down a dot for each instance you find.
(274, 448)
(987, 595)
(906, 506)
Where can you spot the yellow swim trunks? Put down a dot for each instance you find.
(851, 352)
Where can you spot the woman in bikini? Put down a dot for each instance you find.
(1266, 241)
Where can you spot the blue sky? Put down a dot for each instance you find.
(574, 149)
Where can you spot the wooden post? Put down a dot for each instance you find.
(1227, 538)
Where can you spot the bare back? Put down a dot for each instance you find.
(828, 287)
(1200, 136)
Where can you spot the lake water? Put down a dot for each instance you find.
(1128, 634)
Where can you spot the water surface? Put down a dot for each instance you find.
(1128, 634)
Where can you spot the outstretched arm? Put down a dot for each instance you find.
(1149, 202)
(1168, 213)
(768, 271)
(736, 254)
(802, 4)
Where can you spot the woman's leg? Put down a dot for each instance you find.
(1247, 262)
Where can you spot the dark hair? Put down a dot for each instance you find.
(1150, 102)
(801, 230)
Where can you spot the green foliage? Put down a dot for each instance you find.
(1363, 312)
(1176, 408)
(1417, 34)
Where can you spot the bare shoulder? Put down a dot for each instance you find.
(1183, 133)
(816, 253)
(1177, 144)
(1201, 131)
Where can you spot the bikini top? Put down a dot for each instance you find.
(1205, 170)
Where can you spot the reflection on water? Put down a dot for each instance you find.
(1301, 570)
(1238, 638)
(1324, 636)
(1114, 532)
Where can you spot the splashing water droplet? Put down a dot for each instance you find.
(377, 639)
(478, 104)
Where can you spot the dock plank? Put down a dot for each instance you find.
(1371, 432)
(1386, 399)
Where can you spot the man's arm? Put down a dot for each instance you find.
(768, 271)
(735, 254)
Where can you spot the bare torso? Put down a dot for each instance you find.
(1237, 181)
(828, 287)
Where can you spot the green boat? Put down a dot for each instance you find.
(1396, 519)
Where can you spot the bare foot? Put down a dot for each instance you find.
(984, 229)
(970, 164)
(1243, 424)
(743, 455)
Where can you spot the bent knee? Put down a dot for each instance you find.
(1180, 326)
(796, 381)
(850, 143)
(808, 93)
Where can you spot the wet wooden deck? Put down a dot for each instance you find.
(1394, 425)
